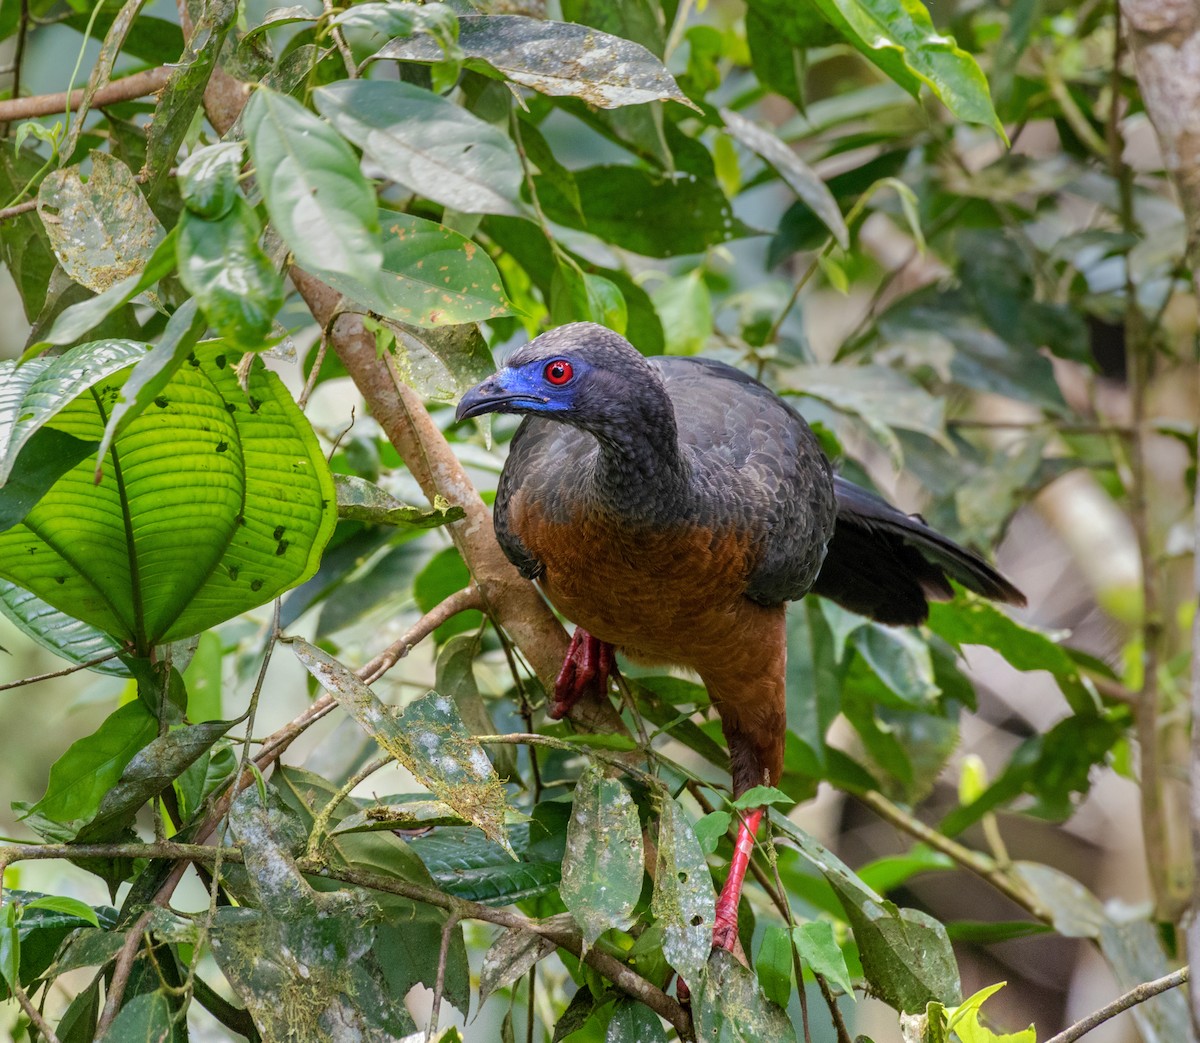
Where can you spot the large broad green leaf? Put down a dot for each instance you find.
(556, 58)
(211, 502)
(647, 213)
(102, 229)
(428, 738)
(430, 276)
(602, 866)
(427, 143)
(318, 200)
(33, 394)
(899, 37)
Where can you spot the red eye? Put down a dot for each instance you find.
(558, 372)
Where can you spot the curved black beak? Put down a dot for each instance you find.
(491, 396)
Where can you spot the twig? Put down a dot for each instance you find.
(839, 1022)
(439, 986)
(33, 1014)
(121, 971)
(977, 863)
(59, 673)
(1138, 994)
(148, 81)
(321, 818)
(461, 601)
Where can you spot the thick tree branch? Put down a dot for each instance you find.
(512, 601)
(149, 81)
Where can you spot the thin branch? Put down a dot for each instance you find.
(1138, 994)
(321, 819)
(461, 601)
(33, 1014)
(440, 982)
(59, 673)
(977, 863)
(122, 968)
(140, 84)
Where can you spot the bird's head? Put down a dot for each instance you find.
(580, 374)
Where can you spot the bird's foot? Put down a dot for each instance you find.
(725, 927)
(585, 671)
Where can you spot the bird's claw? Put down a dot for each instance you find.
(585, 671)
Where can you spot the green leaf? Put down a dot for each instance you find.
(555, 58)
(428, 738)
(773, 965)
(683, 902)
(102, 229)
(151, 771)
(146, 1017)
(732, 1009)
(425, 142)
(602, 867)
(10, 946)
(364, 501)
(818, 948)
(318, 200)
(69, 906)
(81, 778)
(257, 480)
(232, 279)
(899, 37)
(905, 953)
(648, 213)
(287, 939)
(711, 828)
(800, 177)
(900, 659)
(761, 796)
(974, 621)
(208, 179)
(467, 865)
(45, 458)
(634, 1022)
(686, 308)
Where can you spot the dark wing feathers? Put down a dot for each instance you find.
(888, 565)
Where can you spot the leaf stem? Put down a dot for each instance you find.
(1138, 994)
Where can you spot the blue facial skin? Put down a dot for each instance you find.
(523, 389)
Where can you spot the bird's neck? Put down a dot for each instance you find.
(639, 471)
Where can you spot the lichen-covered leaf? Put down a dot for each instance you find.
(364, 501)
(102, 229)
(301, 959)
(427, 143)
(509, 958)
(602, 866)
(556, 58)
(428, 738)
(684, 903)
(440, 364)
(732, 1009)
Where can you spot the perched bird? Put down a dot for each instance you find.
(670, 507)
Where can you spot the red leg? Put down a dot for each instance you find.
(585, 670)
(725, 930)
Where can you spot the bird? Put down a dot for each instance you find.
(671, 507)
